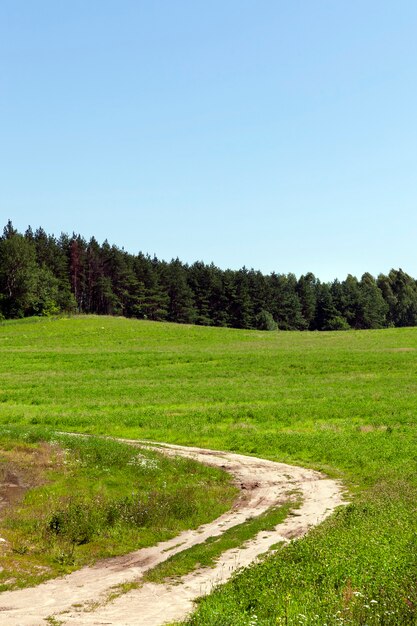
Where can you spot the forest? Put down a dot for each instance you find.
(44, 275)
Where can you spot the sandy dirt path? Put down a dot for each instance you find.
(81, 597)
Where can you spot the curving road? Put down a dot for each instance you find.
(81, 598)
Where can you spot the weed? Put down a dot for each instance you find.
(53, 621)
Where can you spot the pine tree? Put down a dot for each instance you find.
(327, 316)
(373, 308)
(77, 267)
(181, 300)
(405, 290)
(307, 293)
(240, 306)
(18, 272)
(200, 282)
(284, 303)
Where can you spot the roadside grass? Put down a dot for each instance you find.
(91, 498)
(343, 402)
(205, 554)
(357, 568)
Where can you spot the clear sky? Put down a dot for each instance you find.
(275, 134)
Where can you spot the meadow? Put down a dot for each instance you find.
(341, 402)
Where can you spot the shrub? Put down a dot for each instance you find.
(265, 321)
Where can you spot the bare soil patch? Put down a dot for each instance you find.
(24, 467)
(400, 350)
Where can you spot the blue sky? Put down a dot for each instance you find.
(279, 135)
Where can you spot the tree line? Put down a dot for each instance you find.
(41, 274)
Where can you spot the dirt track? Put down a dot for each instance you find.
(263, 484)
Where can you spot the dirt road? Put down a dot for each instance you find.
(82, 597)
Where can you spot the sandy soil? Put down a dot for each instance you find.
(82, 597)
(12, 489)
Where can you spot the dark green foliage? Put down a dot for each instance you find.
(307, 293)
(373, 308)
(326, 311)
(337, 322)
(18, 270)
(181, 299)
(43, 275)
(265, 321)
(404, 307)
(285, 304)
(240, 306)
(200, 282)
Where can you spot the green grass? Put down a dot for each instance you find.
(359, 567)
(343, 402)
(93, 498)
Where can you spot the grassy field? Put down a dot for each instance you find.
(342, 402)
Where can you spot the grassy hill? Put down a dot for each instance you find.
(344, 402)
